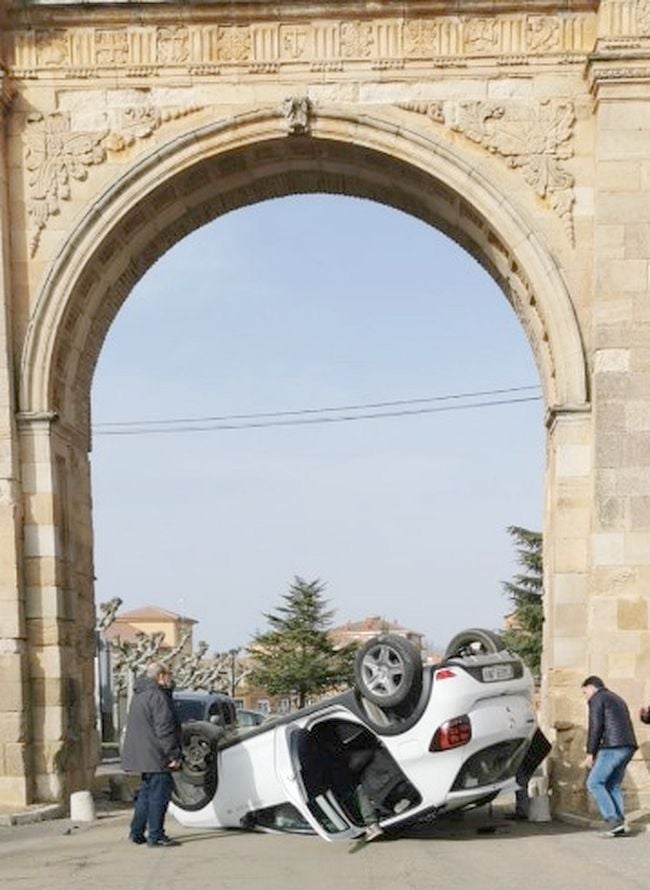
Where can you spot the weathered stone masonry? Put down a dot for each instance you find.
(520, 130)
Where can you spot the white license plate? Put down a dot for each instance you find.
(494, 672)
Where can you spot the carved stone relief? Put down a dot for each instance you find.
(533, 139)
(297, 111)
(172, 45)
(481, 35)
(112, 47)
(234, 44)
(419, 38)
(542, 33)
(357, 39)
(56, 154)
(390, 42)
(52, 48)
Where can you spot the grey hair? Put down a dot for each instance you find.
(155, 669)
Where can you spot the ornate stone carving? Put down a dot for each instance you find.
(535, 140)
(194, 43)
(139, 122)
(294, 41)
(55, 154)
(357, 40)
(234, 44)
(419, 38)
(172, 45)
(481, 35)
(52, 48)
(542, 32)
(112, 47)
(434, 110)
(297, 112)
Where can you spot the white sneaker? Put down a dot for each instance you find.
(620, 829)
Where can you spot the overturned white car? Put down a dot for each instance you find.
(404, 745)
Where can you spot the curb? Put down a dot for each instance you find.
(38, 813)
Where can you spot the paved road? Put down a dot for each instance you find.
(479, 851)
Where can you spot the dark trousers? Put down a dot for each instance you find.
(151, 804)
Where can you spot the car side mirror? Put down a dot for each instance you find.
(216, 719)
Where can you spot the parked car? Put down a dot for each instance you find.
(409, 741)
(213, 707)
(247, 717)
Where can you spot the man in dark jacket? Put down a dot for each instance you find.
(152, 747)
(610, 746)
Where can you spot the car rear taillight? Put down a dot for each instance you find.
(445, 674)
(452, 734)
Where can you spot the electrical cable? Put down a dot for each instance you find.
(302, 421)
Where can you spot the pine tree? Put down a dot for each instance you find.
(526, 592)
(296, 657)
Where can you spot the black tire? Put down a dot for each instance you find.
(199, 751)
(388, 670)
(474, 641)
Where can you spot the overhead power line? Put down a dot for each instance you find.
(289, 418)
(305, 411)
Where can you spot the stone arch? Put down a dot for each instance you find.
(227, 164)
(161, 198)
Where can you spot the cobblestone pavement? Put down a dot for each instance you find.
(478, 851)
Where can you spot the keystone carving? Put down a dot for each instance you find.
(535, 140)
(297, 112)
(55, 154)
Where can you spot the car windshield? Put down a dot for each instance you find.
(187, 709)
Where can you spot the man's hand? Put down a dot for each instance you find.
(644, 714)
(589, 761)
(174, 765)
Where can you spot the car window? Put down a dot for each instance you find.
(188, 709)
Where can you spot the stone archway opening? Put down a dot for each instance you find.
(314, 300)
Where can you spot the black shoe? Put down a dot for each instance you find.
(164, 842)
(137, 839)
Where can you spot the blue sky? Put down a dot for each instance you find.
(307, 302)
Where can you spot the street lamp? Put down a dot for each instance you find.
(233, 664)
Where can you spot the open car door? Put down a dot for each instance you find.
(310, 786)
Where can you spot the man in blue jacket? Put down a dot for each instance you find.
(152, 747)
(610, 746)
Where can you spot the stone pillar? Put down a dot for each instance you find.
(59, 606)
(15, 766)
(566, 582)
(619, 636)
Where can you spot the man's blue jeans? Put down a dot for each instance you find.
(604, 781)
(151, 804)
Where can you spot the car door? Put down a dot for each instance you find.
(314, 799)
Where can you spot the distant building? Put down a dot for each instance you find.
(362, 631)
(126, 626)
(152, 620)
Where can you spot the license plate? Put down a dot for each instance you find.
(494, 672)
